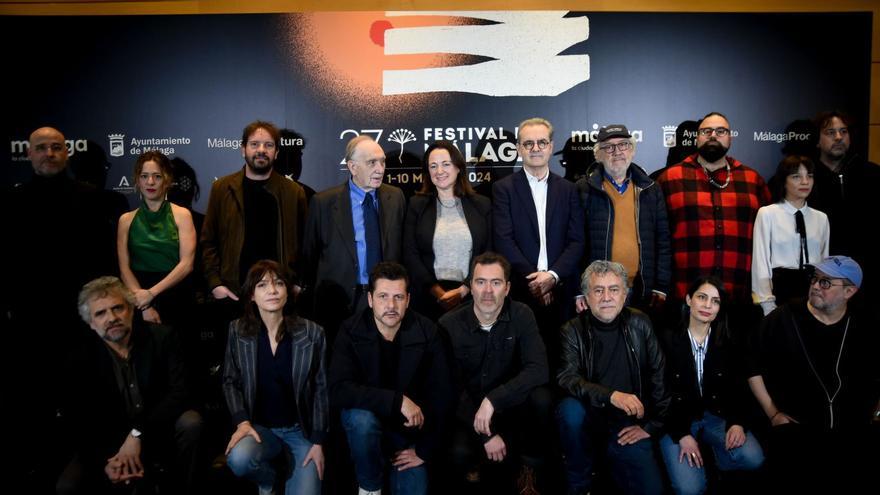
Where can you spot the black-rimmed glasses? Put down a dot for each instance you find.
(825, 283)
(719, 131)
(610, 148)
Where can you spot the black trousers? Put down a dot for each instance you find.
(802, 459)
(527, 430)
(174, 460)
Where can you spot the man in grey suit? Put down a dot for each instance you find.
(349, 229)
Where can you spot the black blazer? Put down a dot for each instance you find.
(95, 406)
(418, 234)
(725, 387)
(515, 221)
(329, 250)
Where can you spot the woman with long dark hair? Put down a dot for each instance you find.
(706, 378)
(446, 225)
(275, 384)
(156, 245)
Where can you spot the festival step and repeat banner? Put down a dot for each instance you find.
(187, 84)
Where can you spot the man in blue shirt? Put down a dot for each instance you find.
(350, 228)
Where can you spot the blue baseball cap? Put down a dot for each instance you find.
(841, 267)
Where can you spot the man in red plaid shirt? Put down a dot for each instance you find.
(712, 200)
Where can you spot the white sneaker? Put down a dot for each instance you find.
(361, 491)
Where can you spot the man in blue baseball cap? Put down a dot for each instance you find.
(815, 375)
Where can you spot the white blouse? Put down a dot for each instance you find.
(777, 244)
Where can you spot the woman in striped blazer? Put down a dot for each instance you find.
(275, 386)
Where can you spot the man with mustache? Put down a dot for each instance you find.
(350, 228)
(612, 371)
(390, 377)
(814, 372)
(712, 200)
(844, 189)
(500, 370)
(626, 218)
(126, 400)
(253, 214)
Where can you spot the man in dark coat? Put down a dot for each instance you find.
(350, 228)
(390, 377)
(127, 399)
(539, 228)
(612, 371)
(626, 218)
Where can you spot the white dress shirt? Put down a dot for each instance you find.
(539, 196)
(777, 243)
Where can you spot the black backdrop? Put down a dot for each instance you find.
(188, 84)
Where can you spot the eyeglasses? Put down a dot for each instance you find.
(719, 131)
(530, 145)
(610, 148)
(825, 283)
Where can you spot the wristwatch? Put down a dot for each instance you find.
(135, 433)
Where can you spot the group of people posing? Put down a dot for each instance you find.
(593, 325)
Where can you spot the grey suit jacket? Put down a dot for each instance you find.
(309, 374)
(329, 251)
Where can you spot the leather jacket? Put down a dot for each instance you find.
(644, 358)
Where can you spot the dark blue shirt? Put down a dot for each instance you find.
(621, 188)
(276, 400)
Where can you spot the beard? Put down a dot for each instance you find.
(258, 167)
(837, 151)
(712, 151)
(117, 336)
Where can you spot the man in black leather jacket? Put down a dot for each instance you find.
(612, 371)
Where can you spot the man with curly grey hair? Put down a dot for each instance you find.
(612, 371)
(126, 398)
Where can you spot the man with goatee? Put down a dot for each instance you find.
(712, 200)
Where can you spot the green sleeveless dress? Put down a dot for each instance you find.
(154, 250)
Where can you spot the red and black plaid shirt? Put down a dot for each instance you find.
(712, 227)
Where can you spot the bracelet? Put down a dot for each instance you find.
(774, 415)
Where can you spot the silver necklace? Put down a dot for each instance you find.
(712, 181)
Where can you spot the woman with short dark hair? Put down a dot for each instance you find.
(788, 236)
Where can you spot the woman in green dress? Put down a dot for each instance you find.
(156, 244)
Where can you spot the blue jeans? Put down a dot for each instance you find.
(633, 467)
(371, 445)
(711, 430)
(253, 461)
